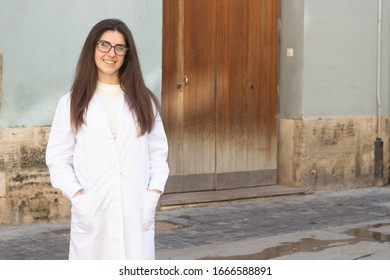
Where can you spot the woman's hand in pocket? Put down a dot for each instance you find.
(78, 193)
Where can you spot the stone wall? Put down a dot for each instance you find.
(26, 195)
(331, 153)
(316, 155)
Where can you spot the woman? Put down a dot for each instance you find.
(107, 150)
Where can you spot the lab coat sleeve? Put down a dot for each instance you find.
(60, 149)
(158, 153)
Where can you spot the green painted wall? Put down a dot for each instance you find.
(40, 41)
(333, 70)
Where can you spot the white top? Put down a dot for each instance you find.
(111, 96)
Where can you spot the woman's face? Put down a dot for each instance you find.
(109, 63)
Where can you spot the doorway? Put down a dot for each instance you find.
(219, 93)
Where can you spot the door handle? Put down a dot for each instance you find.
(184, 84)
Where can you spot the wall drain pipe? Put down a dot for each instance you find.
(378, 145)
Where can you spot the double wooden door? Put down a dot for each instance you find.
(219, 93)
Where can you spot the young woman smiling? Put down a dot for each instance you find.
(107, 150)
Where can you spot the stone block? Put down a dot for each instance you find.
(3, 184)
(330, 153)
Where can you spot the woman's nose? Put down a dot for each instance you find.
(111, 52)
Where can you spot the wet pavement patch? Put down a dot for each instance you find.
(369, 233)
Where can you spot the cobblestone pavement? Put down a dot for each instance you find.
(353, 224)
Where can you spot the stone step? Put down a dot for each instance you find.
(187, 199)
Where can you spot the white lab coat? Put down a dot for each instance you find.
(114, 218)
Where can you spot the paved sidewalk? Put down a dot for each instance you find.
(353, 224)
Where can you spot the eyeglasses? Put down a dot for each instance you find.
(105, 47)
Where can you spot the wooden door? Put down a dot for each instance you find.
(220, 93)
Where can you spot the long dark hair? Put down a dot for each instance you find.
(138, 97)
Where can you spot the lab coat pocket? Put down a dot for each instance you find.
(81, 213)
(149, 210)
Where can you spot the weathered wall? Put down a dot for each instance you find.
(330, 153)
(26, 194)
(329, 109)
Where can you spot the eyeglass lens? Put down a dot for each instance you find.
(105, 47)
